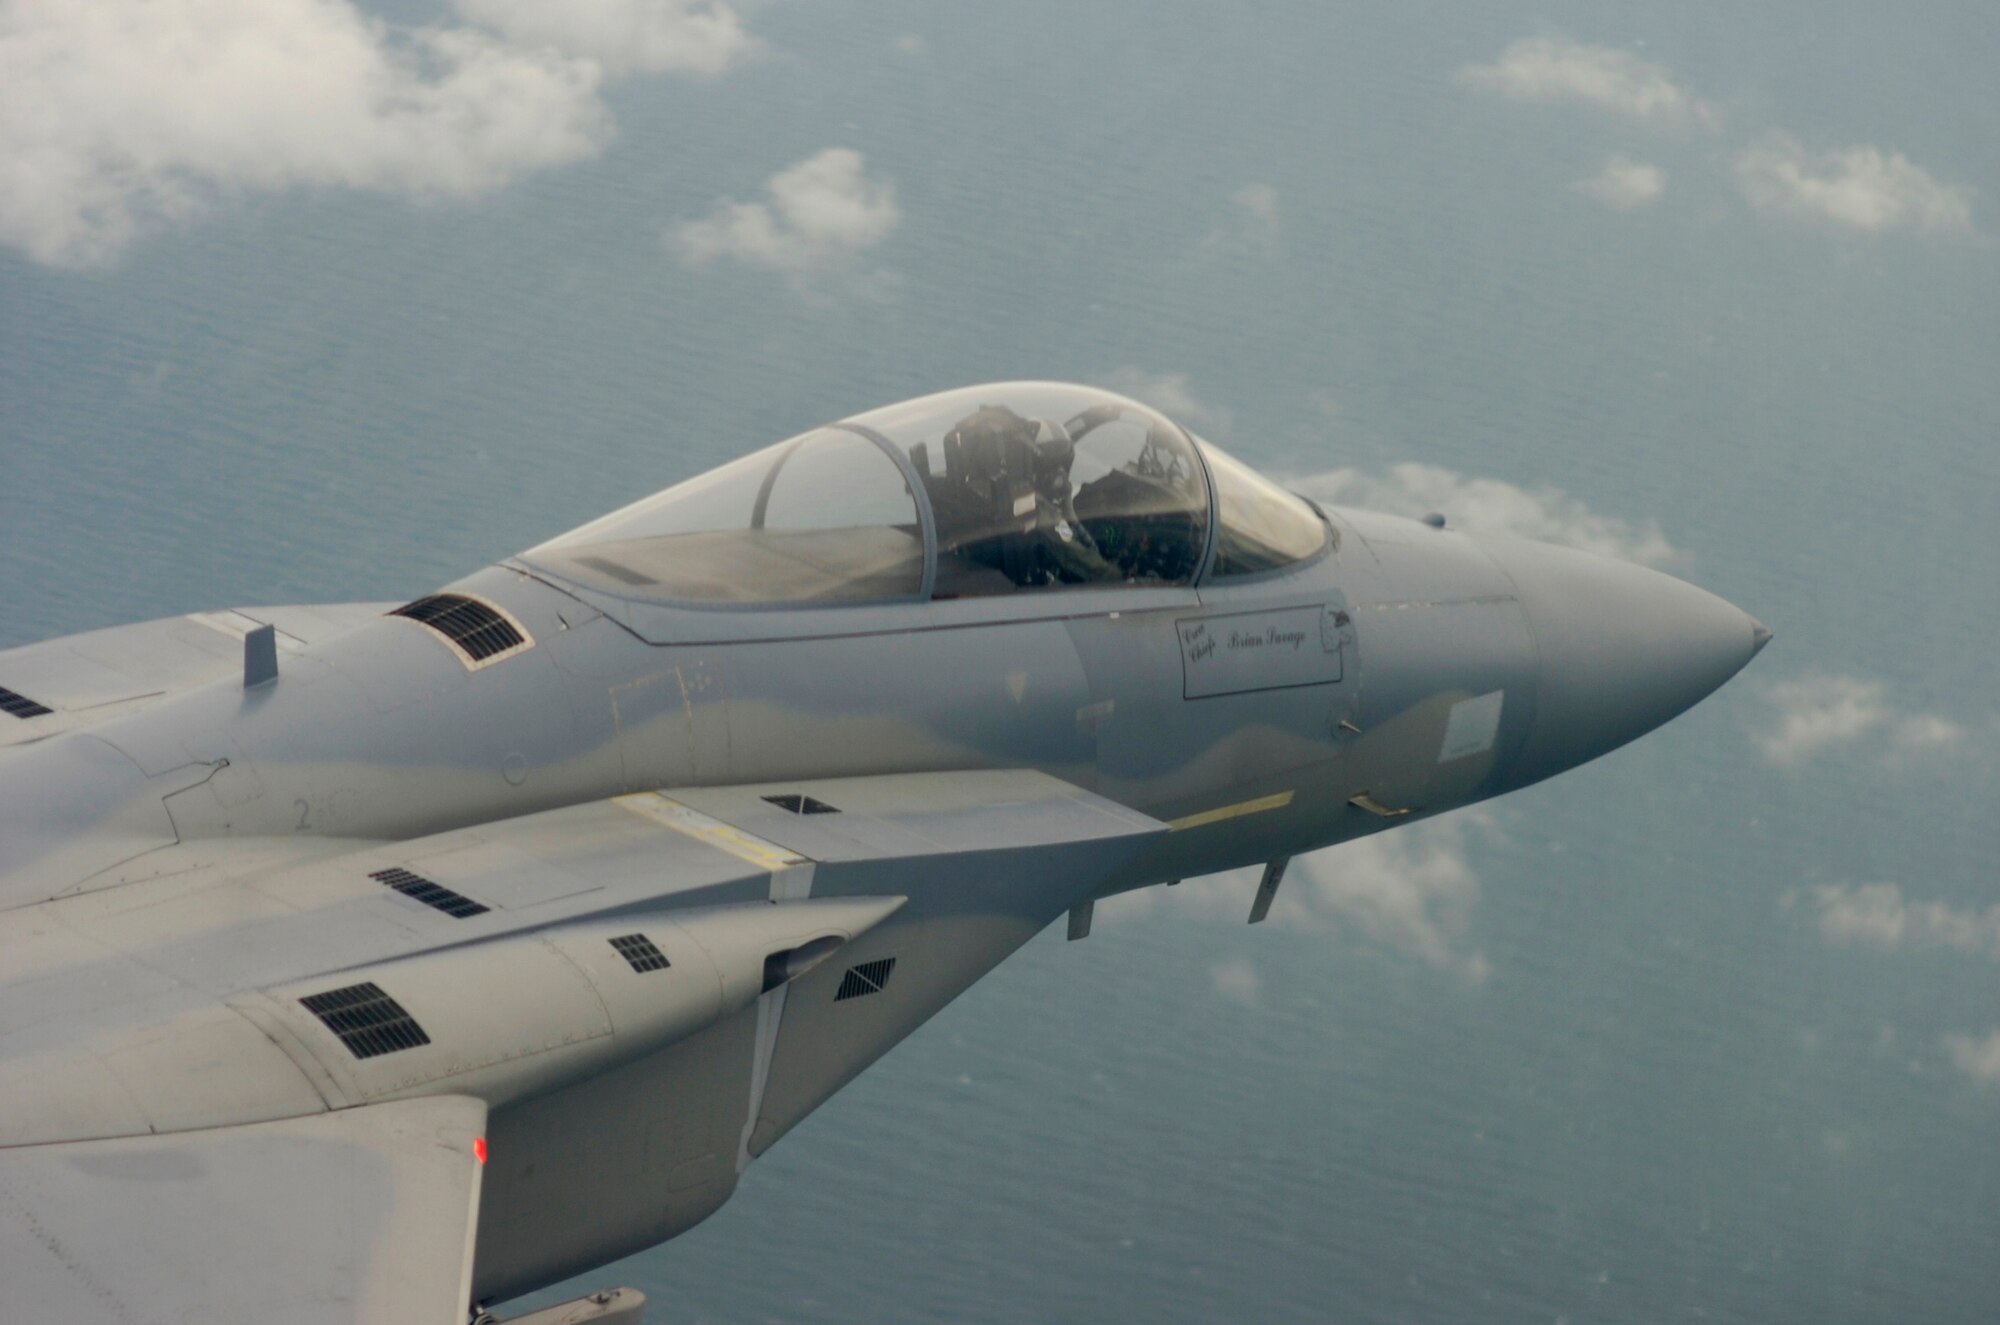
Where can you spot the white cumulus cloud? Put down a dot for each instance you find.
(1624, 183)
(1927, 731)
(1413, 889)
(1260, 201)
(1256, 221)
(1815, 713)
(1237, 980)
(1554, 68)
(654, 36)
(1861, 188)
(1410, 889)
(120, 118)
(1977, 1058)
(1878, 915)
(1818, 711)
(1170, 394)
(1486, 504)
(821, 212)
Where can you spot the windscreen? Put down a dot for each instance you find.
(1259, 526)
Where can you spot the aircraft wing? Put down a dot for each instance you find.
(78, 680)
(565, 967)
(362, 1216)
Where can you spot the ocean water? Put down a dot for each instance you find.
(1704, 1031)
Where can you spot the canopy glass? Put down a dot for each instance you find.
(982, 491)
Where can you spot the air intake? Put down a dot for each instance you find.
(481, 632)
(867, 978)
(20, 705)
(418, 888)
(368, 1021)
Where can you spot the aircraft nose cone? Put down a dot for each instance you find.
(1622, 650)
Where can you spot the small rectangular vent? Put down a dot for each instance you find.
(21, 706)
(368, 1021)
(416, 886)
(476, 628)
(639, 953)
(867, 978)
(799, 804)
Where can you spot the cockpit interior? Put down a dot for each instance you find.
(976, 492)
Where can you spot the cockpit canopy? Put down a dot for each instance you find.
(980, 491)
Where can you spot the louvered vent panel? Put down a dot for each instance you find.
(20, 705)
(415, 886)
(867, 978)
(368, 1021)
(473, 626)
(640, 954)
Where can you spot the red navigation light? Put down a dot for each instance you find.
(479, 1148)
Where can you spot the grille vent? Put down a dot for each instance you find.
(368, 1021)
(478, 630)
(20, 705)
(867, 978)
(640, 954)
(456, 905)
(799, 804)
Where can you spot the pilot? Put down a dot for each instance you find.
(1064, 543)
(1014, 471)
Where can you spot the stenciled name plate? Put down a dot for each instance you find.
(1265, 650)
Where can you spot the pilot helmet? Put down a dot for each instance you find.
(1054, 453)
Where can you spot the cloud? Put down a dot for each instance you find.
(1816, 713)
(1858, 188)
(654, 36)
(1254, 223)
(1260, 200)
(1927, 731)
(1489, 504)
(1170, 394)
(1624, 183)
(118, 119)
(1878, 915)
(1412, 890)
(1237, 980)
(1861, 188)
(1819, 711)
(822, 212)
(1871, 914)
(1978, 1059)
(1558, 69)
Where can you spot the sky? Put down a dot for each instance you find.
(311, 300)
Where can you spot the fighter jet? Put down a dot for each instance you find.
(377, 963)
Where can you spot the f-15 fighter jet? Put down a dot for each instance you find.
(370, 963)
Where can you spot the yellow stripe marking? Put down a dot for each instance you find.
(725, 837)
(1217, 815)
